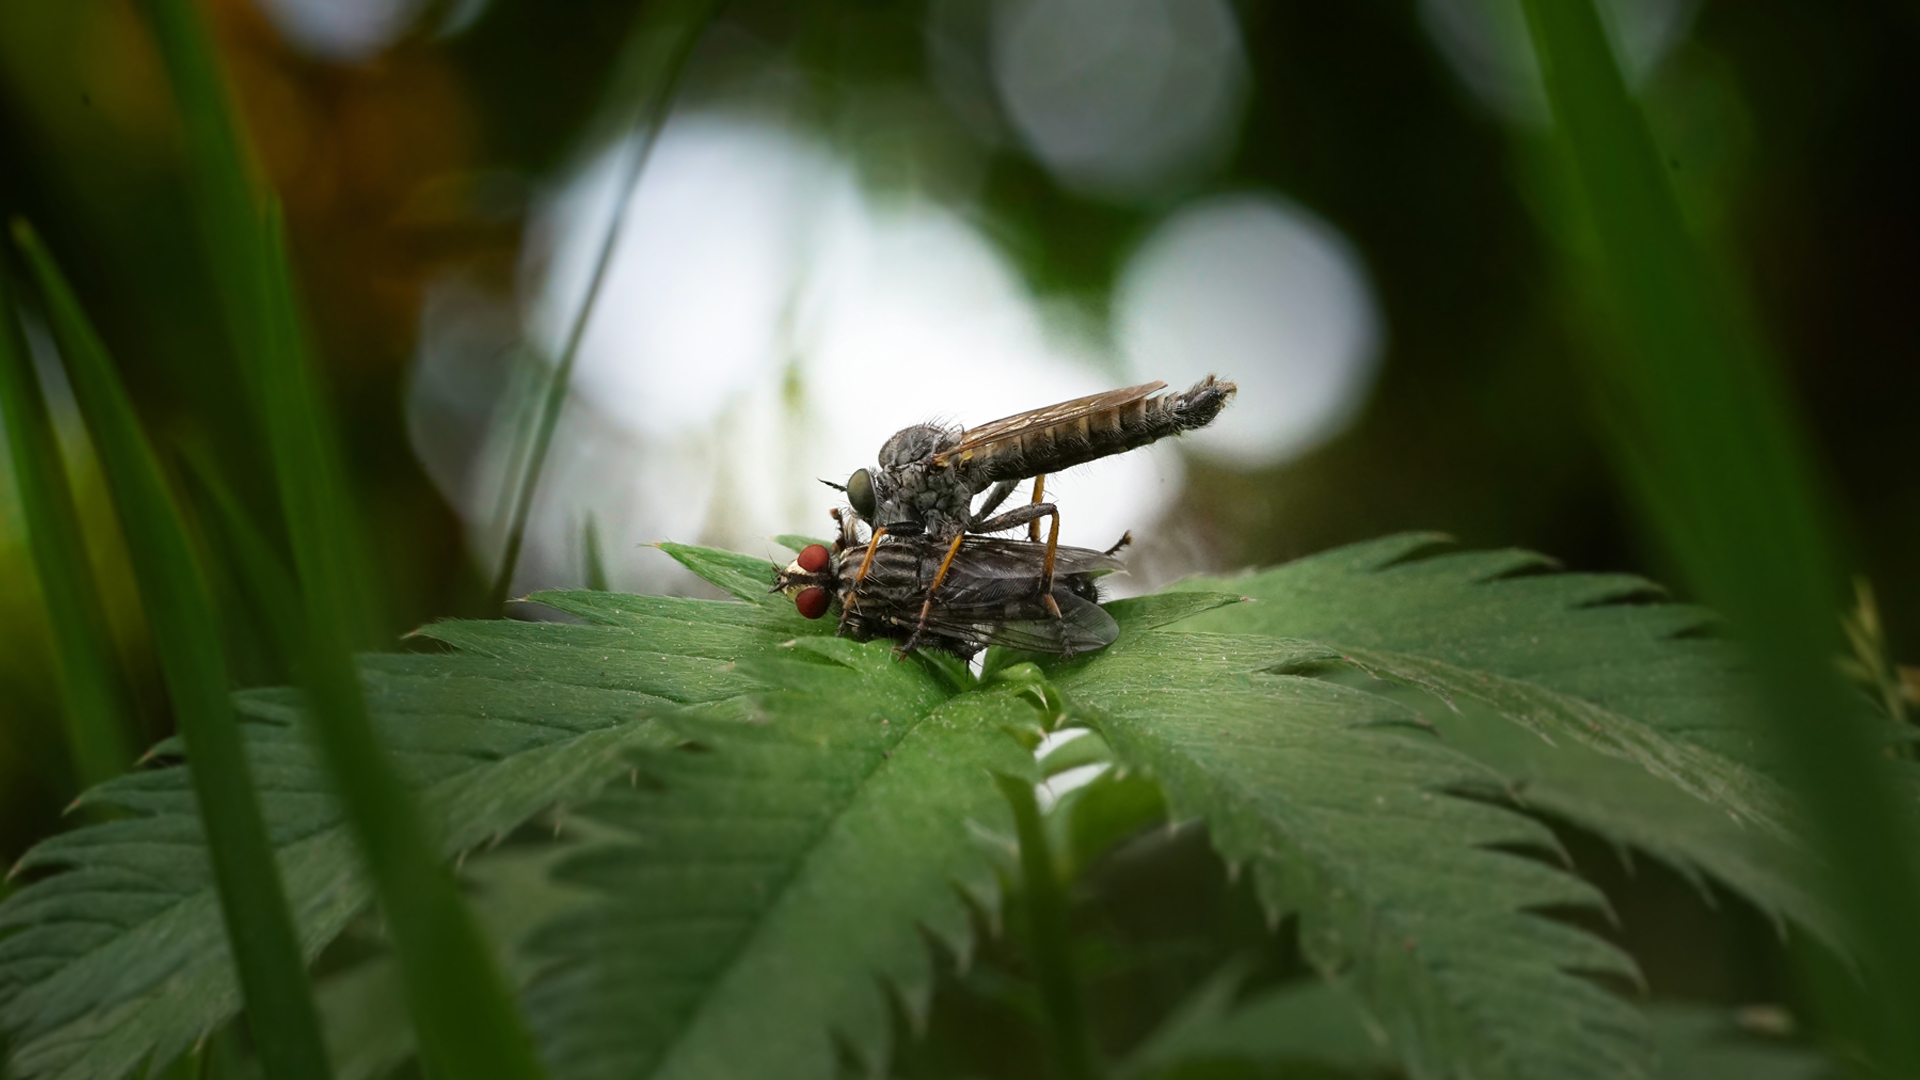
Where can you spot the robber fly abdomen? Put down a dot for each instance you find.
(1081, 436)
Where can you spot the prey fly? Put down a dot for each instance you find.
(991, 594)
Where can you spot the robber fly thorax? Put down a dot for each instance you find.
(992, 593)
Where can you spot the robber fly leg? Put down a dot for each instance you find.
(1039, 489)
(873, 545)
(995, 496)
(1125, 539)
(1046, 568)
(1014, 518)
(926, 606)
(1033, 512)
(846, 608)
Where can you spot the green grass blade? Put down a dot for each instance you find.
(262, 574)
(187, 639)
(226, 194)
(466, 1023)
(459, 1002)
(655, 104)
(1708, 435)
(93, 692)
(596, 563)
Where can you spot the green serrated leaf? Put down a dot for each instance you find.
(1340, 805)
(801, 807)
(1594, 637)
(762, 889)
(117, 954)
(744, 576)
(1616, 716)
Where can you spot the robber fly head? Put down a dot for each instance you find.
(910, 489)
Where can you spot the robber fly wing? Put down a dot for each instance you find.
(998, 431)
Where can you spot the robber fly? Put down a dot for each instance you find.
(991, 595)
(929, 474)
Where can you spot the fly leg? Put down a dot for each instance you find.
(1014, 518)
(846, 606)
(995, 496)
(1032, 513)
(926, 606)
(1033, 527)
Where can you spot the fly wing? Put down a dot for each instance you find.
(1083, 626)
(1000, 558)
(997, 431)
(1079, 560)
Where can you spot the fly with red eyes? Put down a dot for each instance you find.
(990, 595)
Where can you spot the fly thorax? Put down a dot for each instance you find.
(928, 495)
(911, 489)
(914, 445)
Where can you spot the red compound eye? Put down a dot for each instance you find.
(812, 601)
(813, 559)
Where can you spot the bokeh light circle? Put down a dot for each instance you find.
(765, 323)
(342, 30)
(1122, 98)
(1489, 47)
(1260, 291)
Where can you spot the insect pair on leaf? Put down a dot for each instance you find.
(929, 572)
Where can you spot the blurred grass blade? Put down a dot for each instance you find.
(1707, 434)
(266, 579)
(656, 101)
(596, 563)
(186, 638)
(462, 1012)
(466, 1023)
(93, 693)
(225, 191)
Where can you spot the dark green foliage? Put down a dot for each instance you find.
(468, 1026)
(1706, 434)
(767, 890)
(174, 593)
(769, 838)
(1584, 694)
(93, 693)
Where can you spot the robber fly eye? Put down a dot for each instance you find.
(811, 601)
(860, 493)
